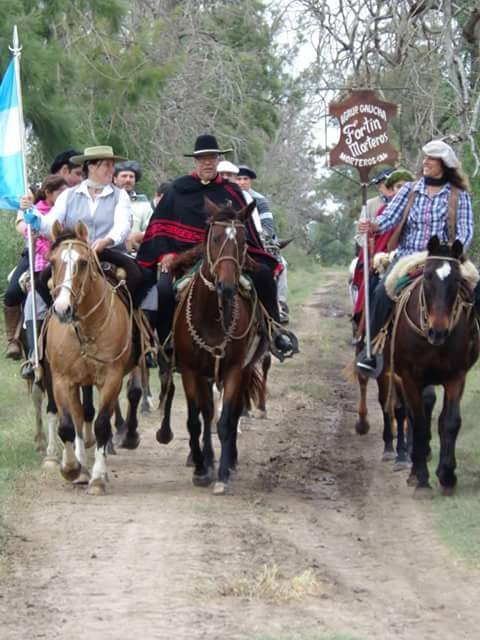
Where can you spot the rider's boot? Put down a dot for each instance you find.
(27, 371)
(381, 309)
(12, 319)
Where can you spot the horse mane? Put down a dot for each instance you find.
(67, 234)
(444, 250)
(225, 212)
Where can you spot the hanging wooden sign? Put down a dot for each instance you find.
(364, 139)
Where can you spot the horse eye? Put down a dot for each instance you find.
(82, 263)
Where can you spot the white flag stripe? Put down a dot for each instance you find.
(10, 142)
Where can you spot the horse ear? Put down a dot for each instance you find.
(457, 250)
(81, 231)
(57, 230)
(433, 245)
(246, 212)
(211, 208)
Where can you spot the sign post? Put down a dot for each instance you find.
(364, 143)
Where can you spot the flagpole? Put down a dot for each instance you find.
(16, 50)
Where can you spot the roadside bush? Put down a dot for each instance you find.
(11, 245)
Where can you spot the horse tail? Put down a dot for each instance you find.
(253, 386)
(349, 372)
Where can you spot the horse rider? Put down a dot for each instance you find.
(266, 228)
(160, 191)
(14, 295)
(126, 176)
(179, 223)
(420, 210)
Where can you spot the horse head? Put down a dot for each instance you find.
(226, 246)
(71, 260)
(441, 288)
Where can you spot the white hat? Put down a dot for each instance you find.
(224, 166)
(443, 151)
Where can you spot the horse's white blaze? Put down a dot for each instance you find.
(231, 233)
(70, 257)
(80, 451)
(444, 271)
(99, 471)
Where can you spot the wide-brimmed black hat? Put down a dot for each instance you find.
(205, 144)
(243, 170)
(63, 158)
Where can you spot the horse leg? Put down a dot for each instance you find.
(37, 399)
(429, 399)
(52, 422)
(448, 426)
(208, 411)
(147, 402)
(194, 387)
(103, 433)
(262, 401)
(388, 451)
(362, 425)
(421, 438)
(128, 438)
(66, 398)
(88, 415)
(402, 460)
(227, 429)
(164, 435)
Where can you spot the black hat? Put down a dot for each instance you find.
(381, 176)
(205, 144)
(63, 158)
(129, 165)
(243, 170)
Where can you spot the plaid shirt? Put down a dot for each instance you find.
(427, 217)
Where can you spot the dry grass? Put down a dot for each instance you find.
(271, 584)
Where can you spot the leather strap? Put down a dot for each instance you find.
(452, 214)
(395, 237)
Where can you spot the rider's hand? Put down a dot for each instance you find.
(26, 202)
(366, 226)
(166, 262)
(102, 244)
(33, 219)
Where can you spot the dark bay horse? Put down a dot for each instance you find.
(435, 342)
(217, 339)
(89, 342)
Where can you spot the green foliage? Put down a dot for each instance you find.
(11, 246)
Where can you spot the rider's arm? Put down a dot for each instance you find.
(121, 220)
(392, 214)
(465, 218)
(266, 216)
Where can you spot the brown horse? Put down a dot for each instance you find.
(89, 342)
(217, 339)
(436, 341)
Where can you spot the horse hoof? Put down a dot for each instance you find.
(220, 489)
(388, 456)
(261, 415)
(71, 473)
(189, 460)
(41, 449)
(448, 492)
(96, 488)
(83, 478)
(164, 436)
(412, 480)
(233, 474)
(401, 465)
(50, 462)
(131, 442)
(362, 427)
(91, 442)
(201, 480)
(118, 438)
(423, 493)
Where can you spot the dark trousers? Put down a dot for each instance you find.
(14, 294)
(381, 306)
(263, 282)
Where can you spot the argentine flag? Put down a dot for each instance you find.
(12, 184)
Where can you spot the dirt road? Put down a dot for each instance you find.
(320, 537)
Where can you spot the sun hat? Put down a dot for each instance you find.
(243, 170)
(225, 166)
(204, 145)
(443, 151)
(397, 176)
(103, 152)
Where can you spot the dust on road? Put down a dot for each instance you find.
(319, 537)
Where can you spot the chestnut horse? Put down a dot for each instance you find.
(435, 341)
(217, 338)
(88, 342)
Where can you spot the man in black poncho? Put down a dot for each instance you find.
(179, 222)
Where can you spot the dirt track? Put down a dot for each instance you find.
(319, 536)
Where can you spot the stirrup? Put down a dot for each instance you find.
(280, 353)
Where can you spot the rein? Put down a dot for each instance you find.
(94, 271)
